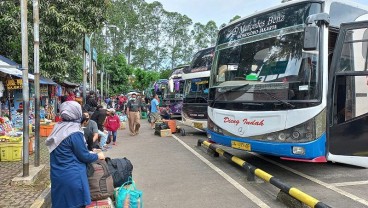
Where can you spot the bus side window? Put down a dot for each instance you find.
(333, 34)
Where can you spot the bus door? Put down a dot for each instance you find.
(348, 97)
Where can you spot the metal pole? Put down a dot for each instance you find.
(95, 76)
(107, 90)
(102, 73)
(108, 84)
(84, 77)
(23, 6)
(36, 20)
(90, 64)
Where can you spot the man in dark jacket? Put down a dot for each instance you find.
(91, 103)
(99, 117)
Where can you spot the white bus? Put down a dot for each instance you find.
(284, 84)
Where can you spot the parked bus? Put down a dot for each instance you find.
(284, 82)
(194, 111)
(175, 94)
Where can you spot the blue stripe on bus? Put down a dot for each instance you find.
(313, 149)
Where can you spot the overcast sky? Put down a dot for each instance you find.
(221, 11)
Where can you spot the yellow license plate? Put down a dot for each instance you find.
(241, 145)
(198, 125)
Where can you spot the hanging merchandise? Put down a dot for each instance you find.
(1, 89)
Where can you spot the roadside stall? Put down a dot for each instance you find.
(11, 118)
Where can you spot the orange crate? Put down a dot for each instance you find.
(172, 125)
(45, 130)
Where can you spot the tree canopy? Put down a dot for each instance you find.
(137, 42)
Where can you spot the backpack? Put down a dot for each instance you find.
(120, 169)
(101, 185)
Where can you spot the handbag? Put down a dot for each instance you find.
(127, 196)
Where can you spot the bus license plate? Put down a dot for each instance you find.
(198, 125)
(241, 145)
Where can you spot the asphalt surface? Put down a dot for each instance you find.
(174, 172)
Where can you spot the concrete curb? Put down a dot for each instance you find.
(285, 189)
(44, 200)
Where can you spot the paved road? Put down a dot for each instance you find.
(334, 184)
(171, 176)
(174, 172)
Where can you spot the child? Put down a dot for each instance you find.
(112, 124)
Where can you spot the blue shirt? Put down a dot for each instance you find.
(154, 104)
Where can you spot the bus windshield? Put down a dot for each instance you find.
(197, 87)
(271, 63)
(202, 60)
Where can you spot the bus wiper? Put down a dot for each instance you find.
(263, 92)
(278, 99)
(229, 90)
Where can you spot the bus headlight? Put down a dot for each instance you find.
(270, 138)
(305, 132)
(296, 135)
(282, 136)
(213, 127)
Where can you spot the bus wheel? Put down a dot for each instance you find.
(182, 132)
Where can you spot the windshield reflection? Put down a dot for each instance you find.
(276, 65)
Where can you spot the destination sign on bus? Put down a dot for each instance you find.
(263, 23)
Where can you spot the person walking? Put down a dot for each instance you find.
(155, 109)
(133, 112)
(68, 159)
(112, 124)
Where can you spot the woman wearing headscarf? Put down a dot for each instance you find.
(68, 159)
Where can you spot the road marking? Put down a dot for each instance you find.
(329, 186)
(201, 130)
(243, 190)
(352, 183)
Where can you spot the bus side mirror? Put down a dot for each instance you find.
(310, 38)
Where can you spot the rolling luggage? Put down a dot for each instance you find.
(101, 185)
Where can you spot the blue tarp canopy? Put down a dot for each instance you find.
(8, 66)
(44, 80)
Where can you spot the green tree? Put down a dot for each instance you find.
(10, 41)
(204, 36)
(165, 74)
(144, 78)
(119, 72)
(63, 25)
(235, 18)
(177, 30)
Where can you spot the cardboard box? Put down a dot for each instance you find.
(105, 203)
(165, 133)
(122, 125)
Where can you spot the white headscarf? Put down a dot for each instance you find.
(71, 114)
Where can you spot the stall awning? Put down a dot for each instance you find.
(47, 81)
(8, 66)
(70, 84)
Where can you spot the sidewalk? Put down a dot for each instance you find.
(22, 196)
(171, 176)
